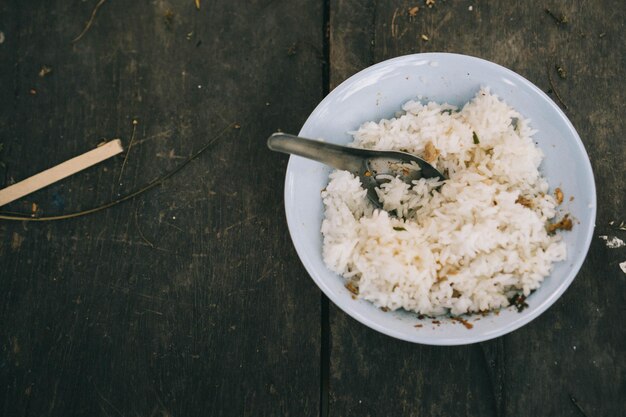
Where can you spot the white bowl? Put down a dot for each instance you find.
(378, 92)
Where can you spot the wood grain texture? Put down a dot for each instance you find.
(189, 300)
(575, 349)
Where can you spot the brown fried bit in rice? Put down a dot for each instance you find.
(452, 270)
(524, 201)
(564, 224)
(464, 322)
(430, 152)
(352, 288)
(558, 194)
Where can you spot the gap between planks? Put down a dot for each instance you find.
(325, 307)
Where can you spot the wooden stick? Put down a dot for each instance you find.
(63, 170)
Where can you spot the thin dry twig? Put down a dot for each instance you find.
(140, 232)
(559, 20)
(394, 29)
(130, 145)
(89, 22)
(556, 93)
(129, 196)
(573, 400)
(152, 245)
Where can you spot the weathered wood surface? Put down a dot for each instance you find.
(190, 299)
(575, 349)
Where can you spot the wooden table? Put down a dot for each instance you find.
(189, 300)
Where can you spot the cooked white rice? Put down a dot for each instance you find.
(465, 247)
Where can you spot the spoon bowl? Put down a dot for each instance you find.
(373, 168)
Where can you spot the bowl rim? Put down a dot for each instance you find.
(443, 341)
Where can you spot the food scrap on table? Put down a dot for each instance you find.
(45, 70)
(613, 242)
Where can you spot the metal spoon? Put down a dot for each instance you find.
(373, 168)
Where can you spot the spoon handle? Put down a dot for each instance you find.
(336, 156)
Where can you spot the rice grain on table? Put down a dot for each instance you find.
(466, 246)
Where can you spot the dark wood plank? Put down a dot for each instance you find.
(575, 349)
(188, 300)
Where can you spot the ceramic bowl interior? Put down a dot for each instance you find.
(379, 92)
